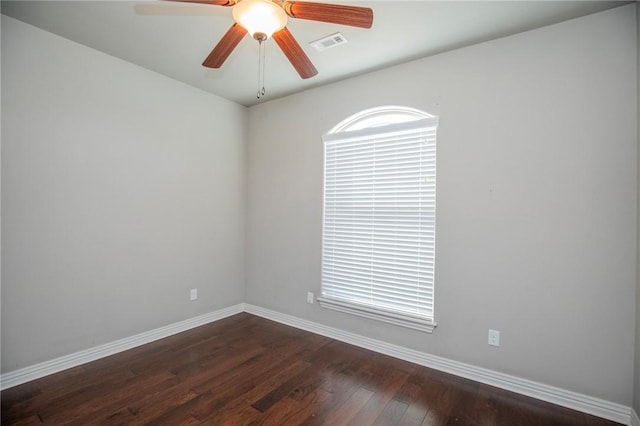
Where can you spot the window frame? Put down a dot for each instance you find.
(369, 123)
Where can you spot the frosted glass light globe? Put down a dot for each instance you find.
(261, 18)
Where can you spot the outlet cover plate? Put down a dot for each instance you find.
(494, 338)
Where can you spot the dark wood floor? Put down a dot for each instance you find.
(248, 370)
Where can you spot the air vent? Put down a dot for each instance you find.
(328, 42)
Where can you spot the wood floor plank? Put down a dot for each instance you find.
(371, 411)
(386, 384)
(98, 408)
(414, 416)
(67, 398)
(443, 395)
(201, 372)
(248, 370)
(341, 379)
(122, 417)
(15, 404)
(302, 384)
(241, 411)
(281, 391)
(289, 411)
(234, 383)
(307, 407)
(351, 406)
(526, 410)
(483, 409)
(466, 392)
(415, 393)
(27, 421)
(156, 405)
(392, 413)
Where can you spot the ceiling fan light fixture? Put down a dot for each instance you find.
(261, 18)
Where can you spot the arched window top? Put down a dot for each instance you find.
(380, 116)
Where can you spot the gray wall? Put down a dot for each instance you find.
(537, 199)
(121, 190)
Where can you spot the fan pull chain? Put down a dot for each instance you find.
(261, 64)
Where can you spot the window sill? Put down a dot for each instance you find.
(408, 321)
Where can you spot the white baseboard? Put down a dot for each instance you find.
(37, 371)
(584, 403)
(587, 404)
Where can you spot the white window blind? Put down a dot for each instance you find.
(379, 222)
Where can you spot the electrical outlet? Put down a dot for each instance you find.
(494, 338)
(194, 293)
(310, 297)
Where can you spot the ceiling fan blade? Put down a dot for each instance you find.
(225, 46)
(294, 53)
(333, 13)
(211, 2)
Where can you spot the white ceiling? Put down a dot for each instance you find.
(174, 38)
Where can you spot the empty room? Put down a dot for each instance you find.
(341, 212)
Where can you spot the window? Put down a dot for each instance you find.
(379, 216)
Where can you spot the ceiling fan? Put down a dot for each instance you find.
(263, 19)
